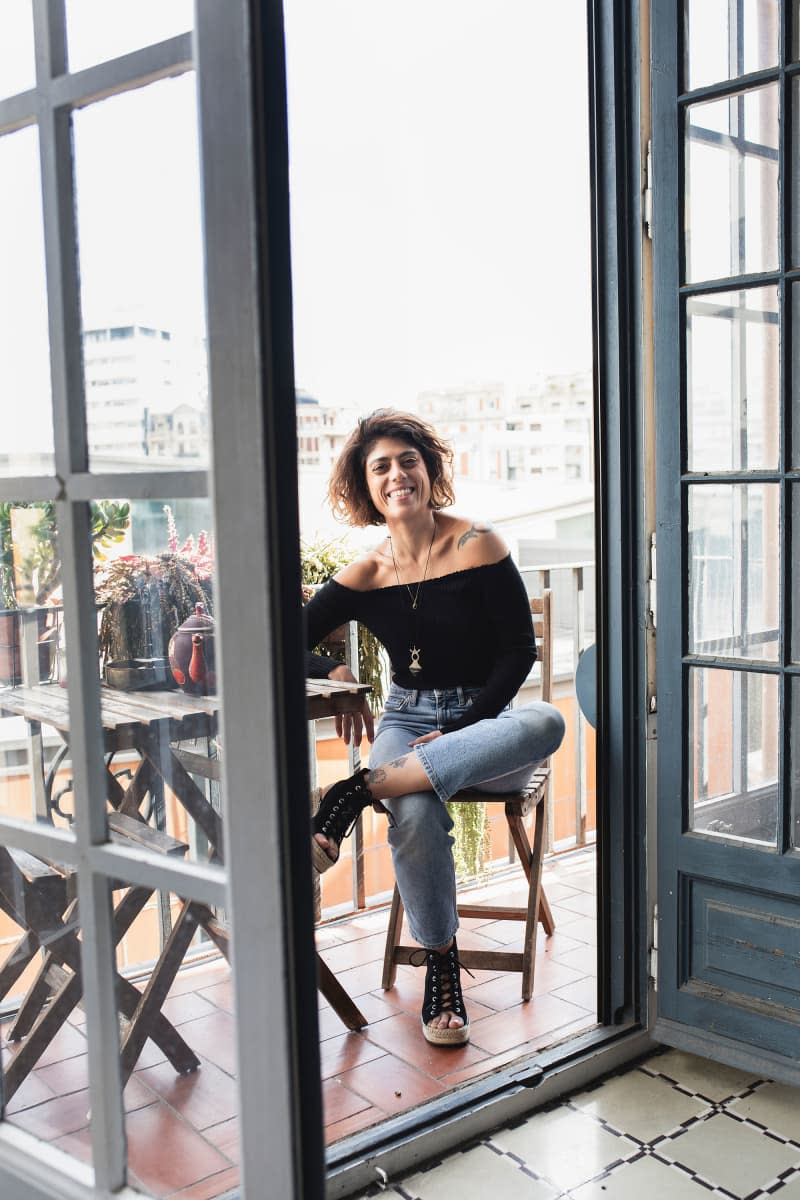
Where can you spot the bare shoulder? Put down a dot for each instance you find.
(366, 573)
(474, 543)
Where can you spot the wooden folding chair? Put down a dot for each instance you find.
(518, 806)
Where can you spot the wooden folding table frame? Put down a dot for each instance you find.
(37, 895)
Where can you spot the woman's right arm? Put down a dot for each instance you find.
(327, 609)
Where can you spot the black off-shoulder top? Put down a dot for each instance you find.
(473, 628)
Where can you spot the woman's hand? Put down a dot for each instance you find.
(426, 737)
(353, 724)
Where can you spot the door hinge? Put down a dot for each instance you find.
(652, 579)
(648, 190)
(653, 952)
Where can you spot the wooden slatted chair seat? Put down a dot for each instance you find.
(518, 807)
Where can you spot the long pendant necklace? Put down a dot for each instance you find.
(414, 666)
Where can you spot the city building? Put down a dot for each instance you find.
(321, 431)
(181, 432)
(146, 393)
(544, 431)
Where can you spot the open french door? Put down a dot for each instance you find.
(727, 247)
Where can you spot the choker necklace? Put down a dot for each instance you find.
(414, 666)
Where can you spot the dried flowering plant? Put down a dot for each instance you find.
(145, 600)
(201, 555)
(147, 597)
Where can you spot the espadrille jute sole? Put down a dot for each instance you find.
(320, 859)
(449, 1036)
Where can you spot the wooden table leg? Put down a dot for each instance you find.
(148, 1010)
(338, 998)
(44, 1023)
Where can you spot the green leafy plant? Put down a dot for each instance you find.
(319, 561)
(42, 561)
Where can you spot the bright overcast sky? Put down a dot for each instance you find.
(440, 217)
(439, 176)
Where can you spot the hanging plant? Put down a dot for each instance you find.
(471, 833)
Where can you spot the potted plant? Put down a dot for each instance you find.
(30, 573)
(145, 599)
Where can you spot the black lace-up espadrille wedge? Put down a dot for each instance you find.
(443, 994)
(337, 814)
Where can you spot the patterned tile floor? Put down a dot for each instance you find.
(674, 1127)
(183, 1130)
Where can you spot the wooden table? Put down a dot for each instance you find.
(153, 724)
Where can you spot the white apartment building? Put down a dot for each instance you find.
(544, 431)
(552, 427)
(321, 431)
(471, 419)
(180, 433)
(145, 394)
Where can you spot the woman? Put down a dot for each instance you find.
(443, 596)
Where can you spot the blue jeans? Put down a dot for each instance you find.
(496, 756)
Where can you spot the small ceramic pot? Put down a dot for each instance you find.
(191, 654)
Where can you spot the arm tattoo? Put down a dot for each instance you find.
(399, 762)
(471, 533)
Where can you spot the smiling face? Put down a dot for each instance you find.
(397, 478)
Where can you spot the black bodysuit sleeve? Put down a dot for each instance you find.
(327, 609)
(510, 626)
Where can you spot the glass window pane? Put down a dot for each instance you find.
(733, 381)
(734, 571)
(17, 62)
(26, 418)
(142, 292)
(728, 38)
(36, 779)
(101, 29)
(733, 754)
(160, 701)
(732, 185)
(186, 1093)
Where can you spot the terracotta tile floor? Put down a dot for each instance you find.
(182, 1130)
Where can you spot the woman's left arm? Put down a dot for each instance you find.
(510, 627)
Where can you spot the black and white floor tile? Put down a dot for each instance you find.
(674, 1127)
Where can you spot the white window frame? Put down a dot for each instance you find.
(268, 985)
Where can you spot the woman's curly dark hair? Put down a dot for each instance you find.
(348, 492)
